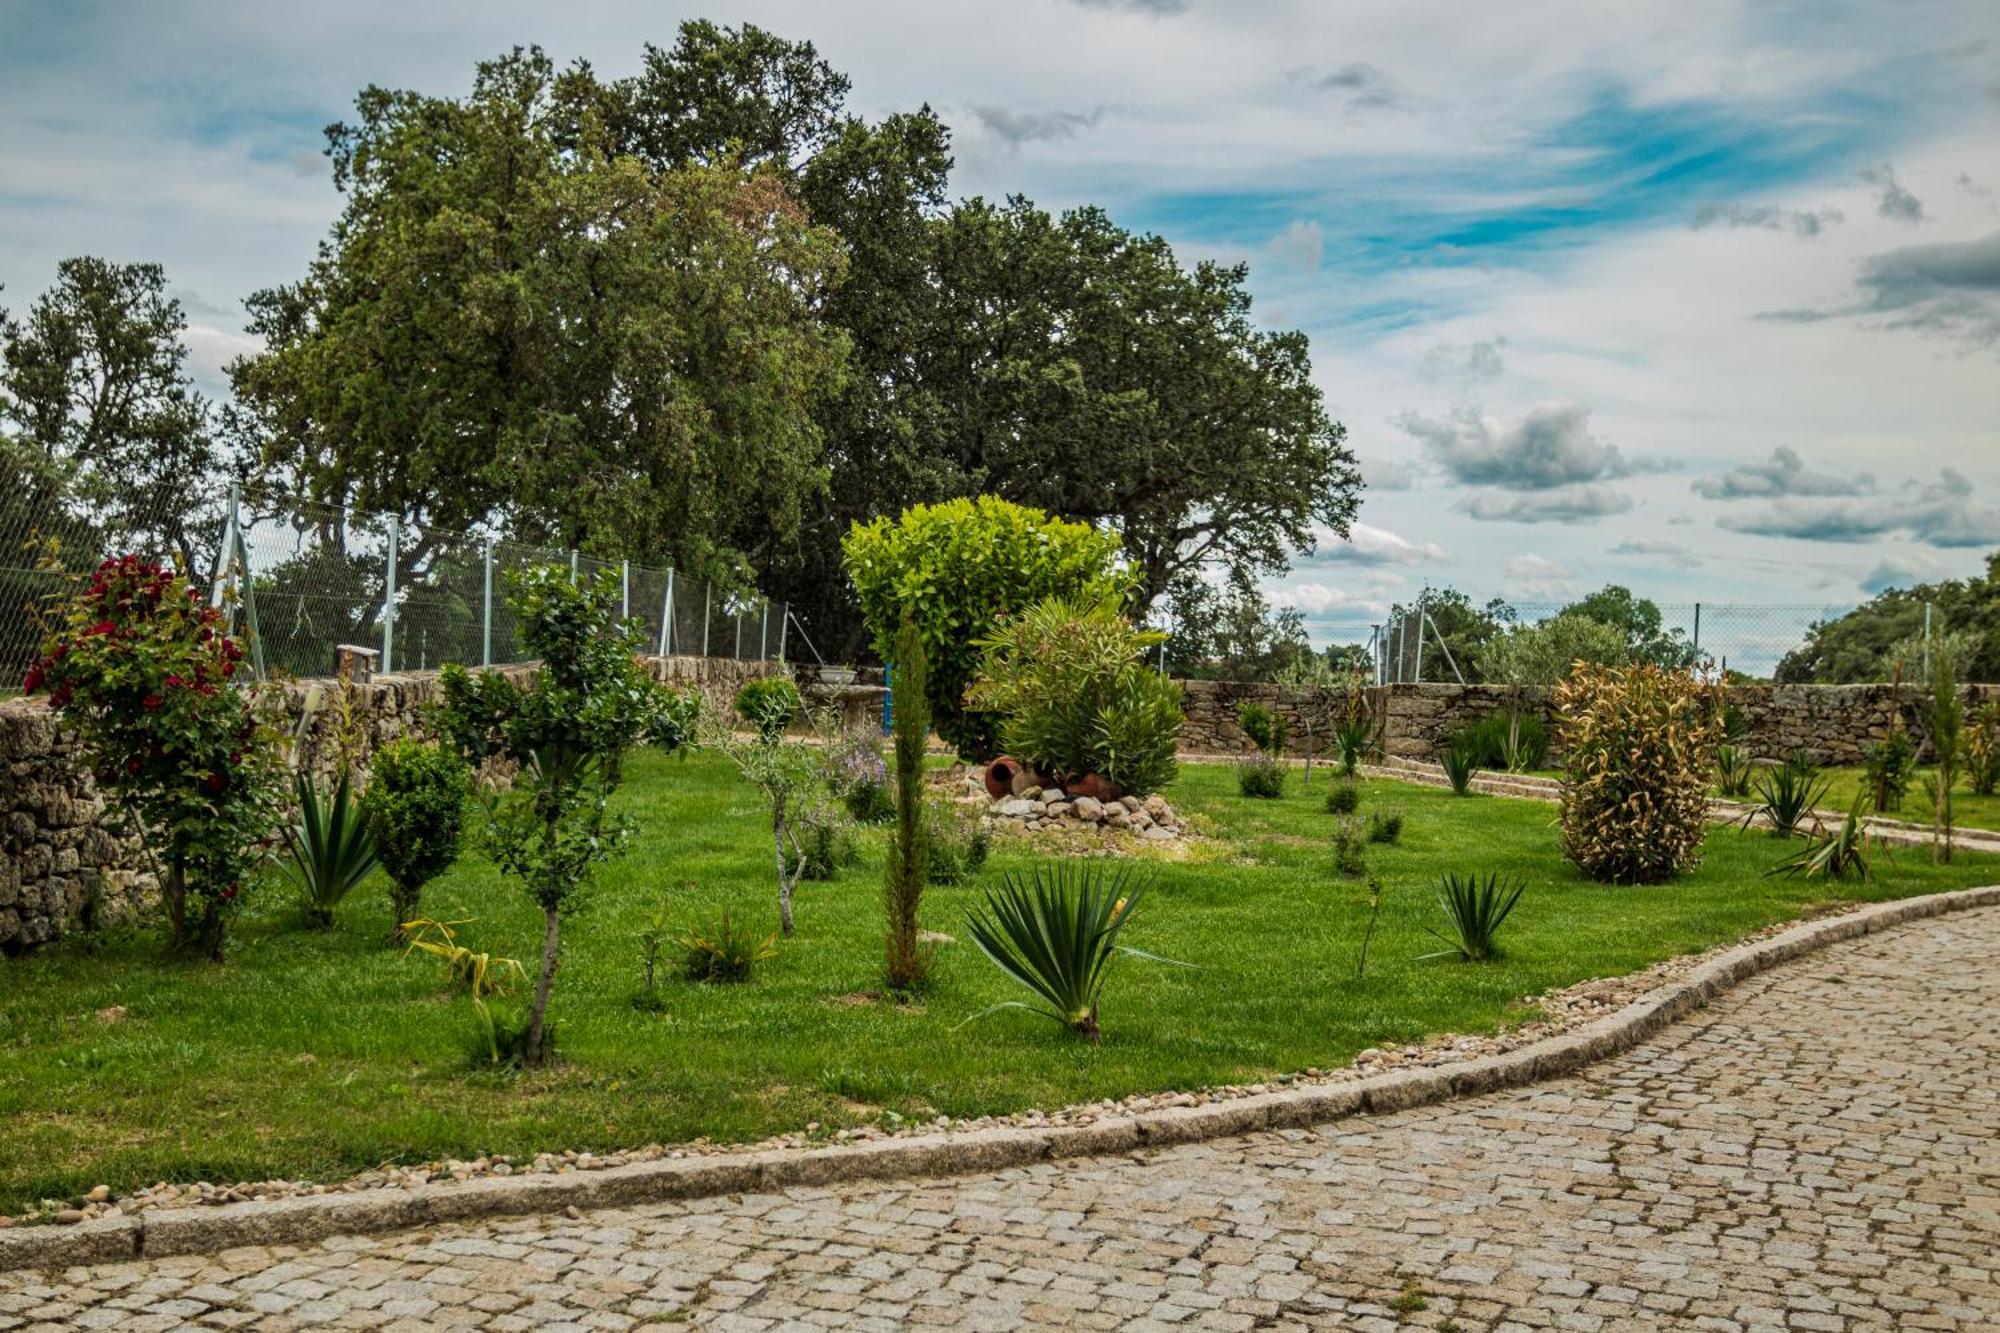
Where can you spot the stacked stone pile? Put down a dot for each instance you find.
(1035, 809)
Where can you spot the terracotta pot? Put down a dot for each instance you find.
(1096, 786)
(1000, 775)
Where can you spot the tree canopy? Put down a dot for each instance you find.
(1870, 641)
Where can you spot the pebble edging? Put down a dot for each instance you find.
(307, 1218)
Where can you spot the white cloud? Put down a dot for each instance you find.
(1569, 504)
(1299, 244)
(1784, 473)
(1552, 445)
(1370, 545)
(1939, 513)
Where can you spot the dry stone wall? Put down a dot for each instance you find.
(1834, 723)
(67, 862)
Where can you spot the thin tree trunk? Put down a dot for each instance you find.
(175, 890)
(551, 947)
(785, 876)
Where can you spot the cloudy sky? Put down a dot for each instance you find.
(1701, 296)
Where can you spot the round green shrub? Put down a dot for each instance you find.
(415, 806)
(770, 704)
(1343, 797)
(1261, 777)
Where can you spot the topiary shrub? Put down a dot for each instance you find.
(142, 671)
(770, 704)
(415, 806)
(1639, 747)
(1076, 696)
(958, 569)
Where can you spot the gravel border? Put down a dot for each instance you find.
(301, 1219)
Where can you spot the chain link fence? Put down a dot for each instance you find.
(312, 578)
(1424, 644)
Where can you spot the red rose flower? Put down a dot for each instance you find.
(32, 681)
(175, 682)
(150, 702)
(132, 764)
(214, 783)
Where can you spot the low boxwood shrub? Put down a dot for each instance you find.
(1639, 748)
(415, 805)
(1261, 777)
(770, 704)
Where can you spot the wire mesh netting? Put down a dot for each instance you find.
(311, 578)
(1419, 645)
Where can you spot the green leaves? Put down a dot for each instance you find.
(1056, 933)
(415, 804)
(1475, 908)
(958, 570)
(330, 847)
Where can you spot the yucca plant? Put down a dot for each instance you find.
(724, 953)
(1836, 854)
(1475, 909)
(480, 975)
(1352, 739)
(1459, 768)
(1056, 932)
(1732, 770)
(1787, 794)
(330, 848)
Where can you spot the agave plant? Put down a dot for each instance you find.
(1056, 932)
(330, 847)
(1475, 908)
(1732, 770)
(1834, 855)
(1787, 795)
(1459, 768)
(1352, 739)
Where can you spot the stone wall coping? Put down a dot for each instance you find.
(304, 1219)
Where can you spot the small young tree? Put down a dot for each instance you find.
(909, 849)
(415, 804)
(794, 777)
(139, 667)
(590, 701)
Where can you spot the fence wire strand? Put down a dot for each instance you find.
(316, 577)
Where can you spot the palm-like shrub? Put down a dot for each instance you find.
(415, 806)
(1834, 854)
(725, 952)
(1074, 694)
(1056, 932)
(1459, 768)
(329, 849)
(1787, 794)
(1352, 739)
(1474, 908)
(1639, 746)
(1733, 770)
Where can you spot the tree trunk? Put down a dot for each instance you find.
(532, 1053)
(403, 907)
(785, 876)
(175, 892)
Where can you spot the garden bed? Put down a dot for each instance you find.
(314, 1055)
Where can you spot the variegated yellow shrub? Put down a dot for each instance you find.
(1639, 746)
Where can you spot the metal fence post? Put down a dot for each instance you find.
(389, 600)
(764, 634)
(784, 627)
(667, 616)
(707, 600)
(486, 610)
(737, 651)
(1697, 631)
(624, 589)
(572, 564)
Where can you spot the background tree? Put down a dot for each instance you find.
(1867, 643)
(1467, 629)
(513, 321)
(1637, 620)
(99, 415)
(1228, 631)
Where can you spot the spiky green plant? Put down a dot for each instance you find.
(1352, 739)
(1475, 909)
(1458, 768)
(724, 953)
(1056, 932)
(1733, 770)
(329, 849)
(1787, 794)
(1833, 854)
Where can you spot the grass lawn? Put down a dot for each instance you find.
(315, 1054)
(1970, 811)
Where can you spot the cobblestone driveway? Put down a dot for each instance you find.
(1819, 1151)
